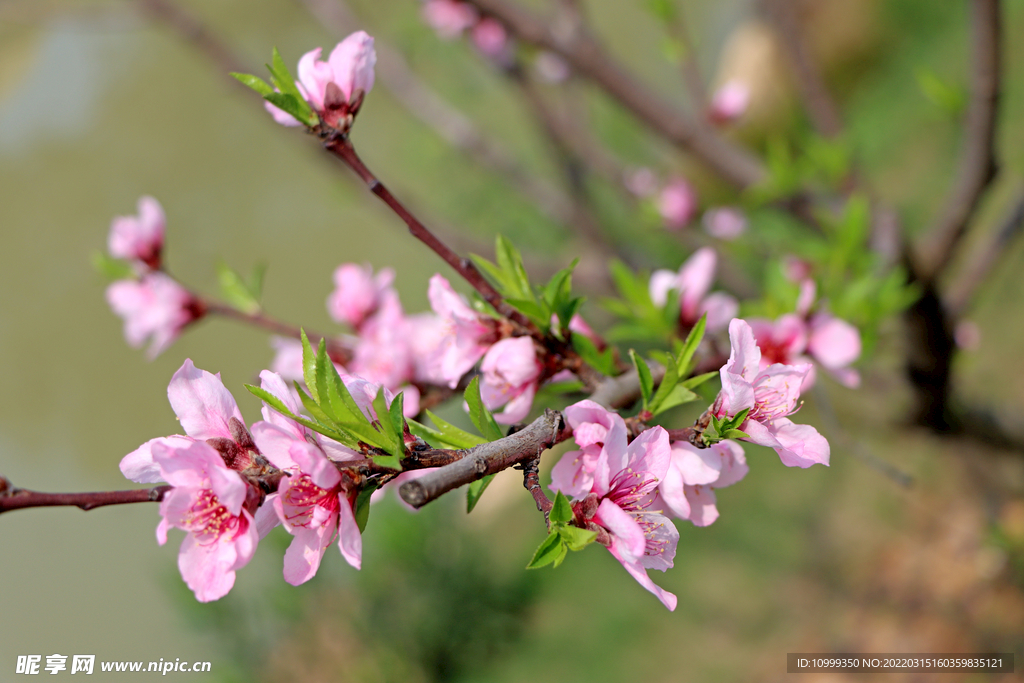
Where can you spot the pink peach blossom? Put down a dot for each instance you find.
(139, 238)
(693, 282)
(490, 37)
(207, 412)
(687, 491)
(154, 308)
(729, 102)
(358, 292)
(449, 18)
(725, 223)
(510, 372)
(677, 204)
(334, 88)
(771, 394)
(595, 430)
(207, 502)
(467, 334)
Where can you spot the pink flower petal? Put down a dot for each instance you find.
(201, 402)
(628, 538)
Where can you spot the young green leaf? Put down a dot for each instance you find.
(361, 509)
(475, 490)
(456, 437)
(478, 413)
(644, 372)
(602, 361)
(562, 552)
(511, 262)
(276, 404)
(561, 509)
(693, 340)
(668, 384)
(254, 82)
(112, 268)
(235, 290)
(575, 538)
(695, 382)
(677, 397)
(548, 551)
(309, 365)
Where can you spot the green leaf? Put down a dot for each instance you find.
(549, 550)
(431, 436)
(693, 340)
(281, 77)
(562, 552)
(479, 414)
(536, 312)
(383, 424)
(644, 372)
(397, 414)
(112, 268)
(277, 405)
(475, 490)
(254, 82)
(575, 538)
(310, 404)
(668, 384)
(309, 365)
(561, 509)
(235, 290)
(602, 361)
(290, 104)
(735, 434)
(695, 382)
(456, 437)
(678, 396)
(329, 403)
(361, 509)
(511, 262)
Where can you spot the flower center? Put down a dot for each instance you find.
(629, 488)
(303, 496)
(208, 520)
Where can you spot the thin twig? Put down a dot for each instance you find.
(442, 116)
(342, 148)
(12, 498)
(978, 164)
(582, 51)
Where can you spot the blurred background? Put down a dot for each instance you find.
(102, 102)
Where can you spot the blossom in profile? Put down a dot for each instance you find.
(335, 88)
(725, 223)
(208, 502)
(729, 102)
(449, 18)
(139, 238)
(687, 491)
(510, 372)
(155, 308)
(677, 204)
(207, 412)
(770, 395)
(466, 335)
(358, 293)
(693, 281)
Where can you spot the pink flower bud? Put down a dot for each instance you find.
(154, 308)
(449, 18)
(357, 292)
(725, 223)
(490, 38)
(677, 204)
(139, 238)
(729, 102)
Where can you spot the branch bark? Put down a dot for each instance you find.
(489, 458)
(978, 164)
(582, 51)
(13, 498)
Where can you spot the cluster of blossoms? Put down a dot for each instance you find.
(232, 484)
(451, 18)
(154, 306)
(677, 204)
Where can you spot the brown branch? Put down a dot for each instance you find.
(342, 148)
(821, 108)
(13, 498)
(489, 458)
(978, 164)
(962, 292)
(442, 117)
(582, 51)
(336, 351)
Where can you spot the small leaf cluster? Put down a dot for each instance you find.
(281, 91)
(335, 414)
(539, 304)
(676, 388)
(725, 428)
(562, 536)
(640, 318)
